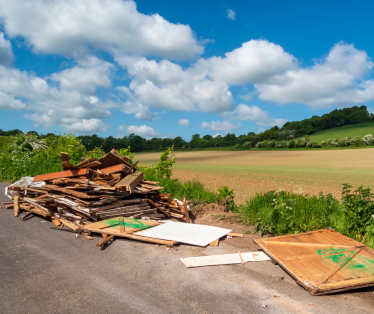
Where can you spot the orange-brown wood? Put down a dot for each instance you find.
(323, 261)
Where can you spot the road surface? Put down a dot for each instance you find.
(43, 270)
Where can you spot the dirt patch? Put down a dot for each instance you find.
(218, 216)
(202, 210)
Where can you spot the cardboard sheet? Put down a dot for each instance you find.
(194, 234)
(224, 259)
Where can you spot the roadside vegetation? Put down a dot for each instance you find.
(271, 213)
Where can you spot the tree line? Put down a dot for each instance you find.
(290, 130)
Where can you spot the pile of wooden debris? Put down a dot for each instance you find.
(100, 192)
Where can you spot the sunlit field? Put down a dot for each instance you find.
(308, 172)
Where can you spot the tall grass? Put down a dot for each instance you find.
(280, 213)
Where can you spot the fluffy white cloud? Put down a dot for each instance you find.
(87, 126)
(336, 79)
(256, 114)
(219, 126)
(85, 78)
(184, 122)
(62, 106)
(6, 54)
(70, 26)
(142, 130)
(7, 102)
(217, 134)
(254, 62)
(231, 14)
(166, 85)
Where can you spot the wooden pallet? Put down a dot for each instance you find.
(323, 261)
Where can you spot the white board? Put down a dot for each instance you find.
(225, 259)
(200, 235)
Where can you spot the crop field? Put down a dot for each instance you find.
(249, 172)
(352, 130)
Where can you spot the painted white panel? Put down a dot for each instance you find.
(200, 235)
(225, 259)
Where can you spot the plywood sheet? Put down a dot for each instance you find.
(323, 261)
(195, 234)
(225, 259)
(112, 225)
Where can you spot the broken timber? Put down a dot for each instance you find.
(323, 261)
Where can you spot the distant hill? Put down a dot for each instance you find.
(352, 130)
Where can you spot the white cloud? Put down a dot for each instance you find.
(6, 54)
(219, 126)
(215, 135)
(335, 79)
(70, 26)
(87, 126)
(256, 114)
(143, 131)
(7, 102)
(91, 73)
(184, 122)
(165, 85)
(254, 62)
(231, 14)
(51, 105)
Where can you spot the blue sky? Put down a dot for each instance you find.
(173, 68)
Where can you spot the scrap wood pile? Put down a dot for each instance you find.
(109, 188)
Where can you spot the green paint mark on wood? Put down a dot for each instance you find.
(128, 222)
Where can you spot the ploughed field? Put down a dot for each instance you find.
(249, 172)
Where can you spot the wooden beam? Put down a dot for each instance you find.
(77, 172)
(186, 214)
(121, 225)
(231, 234)
(16, 207)
(150, 202)
(105, 241)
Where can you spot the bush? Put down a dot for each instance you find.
(272, 143)
(29, 155)
(237, 146)
(278, 213)
(254, 143)
(358, 209)
(247, 145)
(291, 144)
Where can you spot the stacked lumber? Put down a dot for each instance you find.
(92, 191)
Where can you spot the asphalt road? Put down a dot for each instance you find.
(43, 270)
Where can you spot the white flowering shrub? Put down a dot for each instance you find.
(368, 139)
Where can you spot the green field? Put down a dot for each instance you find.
(352, 130)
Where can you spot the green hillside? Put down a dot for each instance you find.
(352, 130)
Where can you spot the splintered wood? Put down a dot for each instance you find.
(95, 191)
(323, 261)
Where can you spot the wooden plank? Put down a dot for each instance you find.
(239, 235)
(337, 267)
(158, 207)
(130, 181)
(60, 174)
(105, 241)
(65, 161)
(91, 164)
(323, 267)
(85, 162)
(26, 216)
(186, 214)
(121, 225)
(214, 243)
(16, 207)
(76, 173)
